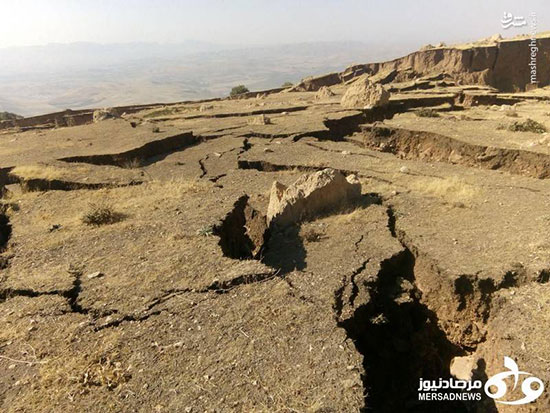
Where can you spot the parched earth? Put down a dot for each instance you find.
(166, 309)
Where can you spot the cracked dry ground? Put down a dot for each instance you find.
(447, 255)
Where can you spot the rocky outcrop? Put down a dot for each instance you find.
(384, 76)
(364, 94)
(503, 64)
(311, 84)
(311, 195)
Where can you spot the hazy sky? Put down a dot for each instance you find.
(32, 22)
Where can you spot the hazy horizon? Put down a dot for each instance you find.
(42, 79)
(67, 54)
(249, 22)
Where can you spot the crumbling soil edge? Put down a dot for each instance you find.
(146, 154)
(411, 144)
(39, 184)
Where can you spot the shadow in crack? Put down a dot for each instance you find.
(285, 250)
(243, 232)
(400, 342)
(486, 405)
(5, 229)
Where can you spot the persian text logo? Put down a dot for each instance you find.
(497, 381)
(509, 20)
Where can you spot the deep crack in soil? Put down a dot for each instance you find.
(243, 231)
(5, 228)
(399, 339)
(37, 184)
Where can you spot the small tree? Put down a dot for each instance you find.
(287, 84)
(238, 90)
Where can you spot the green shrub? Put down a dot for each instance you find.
(239, 90)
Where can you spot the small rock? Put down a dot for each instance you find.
(462, 367)
(404, 170)
(106, 113)
(346, 153)
(204, 107)
(259, 120)
(324, 93)
(96, 274)
(54, 227)
(266, 150)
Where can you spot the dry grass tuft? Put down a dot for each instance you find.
(103, 371)
(134, 163)
(160, 112)
(452, 190)
(426, 113)
(101, 214)
(528, 125)
(37, 171)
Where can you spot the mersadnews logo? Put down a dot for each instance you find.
(496, 387)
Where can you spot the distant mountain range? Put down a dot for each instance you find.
(41, 79)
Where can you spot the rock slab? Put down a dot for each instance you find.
(363, 94)
(312, 194)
